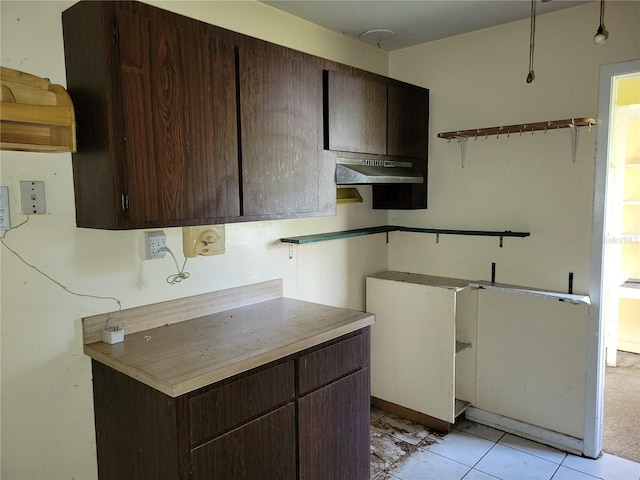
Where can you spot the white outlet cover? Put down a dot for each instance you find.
(153, 241)
(32, 197)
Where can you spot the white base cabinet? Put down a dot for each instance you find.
(423, 355)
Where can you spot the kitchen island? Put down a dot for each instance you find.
(278, 388)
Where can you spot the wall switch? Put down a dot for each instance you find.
(154, 244)
(32, 197)
(5, 216)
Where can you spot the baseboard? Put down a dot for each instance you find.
(417, 417)
(531, 432)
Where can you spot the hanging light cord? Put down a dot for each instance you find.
(532, 41)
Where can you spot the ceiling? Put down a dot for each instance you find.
(413, 21)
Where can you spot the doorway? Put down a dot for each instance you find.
(621, 272)
(616, 236)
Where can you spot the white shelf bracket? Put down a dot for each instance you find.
(463, 149)
(574, 142)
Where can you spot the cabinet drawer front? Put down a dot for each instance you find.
(331, 362)
(230, 405)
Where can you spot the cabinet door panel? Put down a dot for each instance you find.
(136, 432)
(356, 113)
(281, 119)
(334, 430)
(263, 449)
(139, 172)
(178, 96)
(408, 121)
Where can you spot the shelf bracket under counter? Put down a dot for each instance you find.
(563, 297)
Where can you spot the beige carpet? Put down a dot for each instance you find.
(621, 434)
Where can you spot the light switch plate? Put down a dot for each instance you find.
(5, 215)
(32, 197)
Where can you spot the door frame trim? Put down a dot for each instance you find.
(594, 401)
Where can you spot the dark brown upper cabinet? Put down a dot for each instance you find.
(155, 105)
(367, 114)
(183, 123)
(407, 120)
(285, 172)
(371, 114)
(356, 114)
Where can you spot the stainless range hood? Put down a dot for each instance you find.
(356, 171)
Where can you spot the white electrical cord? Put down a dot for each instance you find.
(181, 275)
(66, 289)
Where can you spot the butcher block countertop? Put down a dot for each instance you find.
(180, 357)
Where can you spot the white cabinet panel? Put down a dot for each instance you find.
(413, 342)
(530, 360)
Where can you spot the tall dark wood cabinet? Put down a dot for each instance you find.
(155, 105)
(302, 417)
(284, 170)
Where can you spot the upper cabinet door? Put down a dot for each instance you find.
(179, 120)
(408, 122)
(356, 116)
(283, 171)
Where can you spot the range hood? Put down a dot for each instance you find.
(357, 171)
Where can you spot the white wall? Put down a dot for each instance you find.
(525, 183)
(46, 393)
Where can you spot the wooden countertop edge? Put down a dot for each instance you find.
(243, 365)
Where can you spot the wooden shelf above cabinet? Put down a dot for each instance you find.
(35, 115)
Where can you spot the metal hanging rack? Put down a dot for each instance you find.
(508, 130)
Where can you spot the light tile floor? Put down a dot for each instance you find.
(403, 450)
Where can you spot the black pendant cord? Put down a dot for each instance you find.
(532, 40)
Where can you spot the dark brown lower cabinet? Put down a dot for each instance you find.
(302, 417)
(334, 436)
(264, 448)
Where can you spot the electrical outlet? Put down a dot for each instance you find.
(154, 244)
(5, 216)
(203, 240)
(32, 197)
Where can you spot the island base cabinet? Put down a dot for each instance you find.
(264, 449)
(330, 413)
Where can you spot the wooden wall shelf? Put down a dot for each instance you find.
(572, 123)
(35, 115)
(520, 128)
